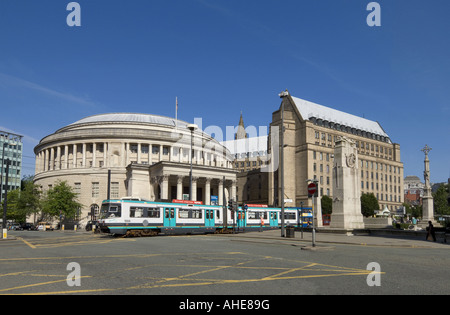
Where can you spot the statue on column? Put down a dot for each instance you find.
(427, 204)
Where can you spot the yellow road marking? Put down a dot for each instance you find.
(26, 242)
(189, 279)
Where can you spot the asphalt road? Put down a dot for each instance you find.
(50, 263)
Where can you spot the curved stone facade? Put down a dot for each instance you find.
(148, 156)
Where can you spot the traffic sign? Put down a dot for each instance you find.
(312, 189)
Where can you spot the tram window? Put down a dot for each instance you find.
(136, 212)
(190, 214)
(170, 213)
(257, 215)
(196, 214)
(183, 213)
(152, 213)
(289, 216)
(218, 214)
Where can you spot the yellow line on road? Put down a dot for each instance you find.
(26, 242)
(38, 284)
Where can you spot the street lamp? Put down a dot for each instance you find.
(191, 127)
(315, 181)
(282, 95)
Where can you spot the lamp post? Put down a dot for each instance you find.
(5, 203)
(191, 127)
(282, 95)
(315, 181)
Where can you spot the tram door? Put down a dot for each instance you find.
(241, 222)
(273, 218)
(209, 218)
(169, 217)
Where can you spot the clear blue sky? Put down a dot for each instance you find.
(223, 56)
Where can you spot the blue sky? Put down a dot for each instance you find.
(221, 57)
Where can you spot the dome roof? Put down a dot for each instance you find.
(131, 118)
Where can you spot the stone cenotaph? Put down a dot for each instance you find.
(346, 187)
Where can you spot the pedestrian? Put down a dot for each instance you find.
(431, 236)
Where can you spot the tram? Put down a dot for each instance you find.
(138, 217)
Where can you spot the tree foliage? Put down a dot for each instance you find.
(60, 200)
(369, 204)
(327, 204)
(23, 202)
(440, 200)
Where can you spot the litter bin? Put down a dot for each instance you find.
(290, 233)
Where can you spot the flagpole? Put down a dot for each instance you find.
(176, 112)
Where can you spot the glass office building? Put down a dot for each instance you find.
(10, 151)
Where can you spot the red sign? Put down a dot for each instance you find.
(312, 188)
(257, 205)
(189, 202)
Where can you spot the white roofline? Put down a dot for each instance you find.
(310, 110)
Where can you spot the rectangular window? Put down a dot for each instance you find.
(153, 213)
(77, 188)
(95, 189)
(136, 212)
(190, 214)
(114, 190)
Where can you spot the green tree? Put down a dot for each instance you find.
(327, 204)
(440, 200)
(13, 212)
(30, 197)
(60, 200)
(369, 204)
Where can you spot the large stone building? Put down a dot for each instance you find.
(311, 131)
(250, 156)
(148, 156)
(11, 148)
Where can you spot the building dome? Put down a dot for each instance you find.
(131, 118)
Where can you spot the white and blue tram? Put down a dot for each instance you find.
(136, 217)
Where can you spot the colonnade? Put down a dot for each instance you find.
(121, 154)
(206, 183)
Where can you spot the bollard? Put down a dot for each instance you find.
(5, 233)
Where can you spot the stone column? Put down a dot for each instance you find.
(139, 153)
(194, 188)
(74, 155)
(83, 160)
(208, 191)
(427, 201)
(150, 154)
(164, 182)
(94, 154)
(180, 187)
(66, 156)
(233, 189)
(105, 149)
(220, 193)
(52, 159)
(46, 156)
(58, 158)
